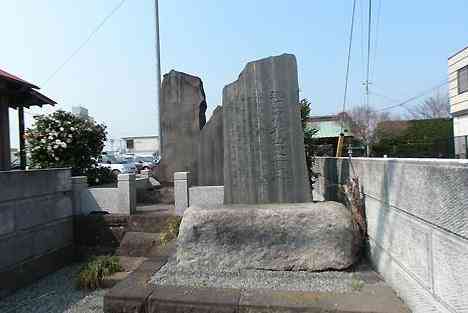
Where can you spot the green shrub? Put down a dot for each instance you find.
(100, 176)
(62, 139)
(93, 272)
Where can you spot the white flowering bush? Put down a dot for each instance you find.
(63, 139)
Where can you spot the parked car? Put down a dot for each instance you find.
(145, 163)
(117, 166)
(15, 165)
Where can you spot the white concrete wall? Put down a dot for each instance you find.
(119, 200)
(145, 145)
(186, 195)
(204, 196)
(460, 125)
(417, 214)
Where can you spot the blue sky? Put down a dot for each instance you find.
(114, 74)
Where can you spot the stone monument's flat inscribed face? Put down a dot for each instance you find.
(264, 158)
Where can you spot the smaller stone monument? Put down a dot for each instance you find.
(182, 112)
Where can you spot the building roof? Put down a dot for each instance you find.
(140, 137)
(16, 79)
(328, 126)
(458, 52)
(21, 93)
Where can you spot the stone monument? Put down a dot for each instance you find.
(182, 113)
(267, 220)
(264, 158)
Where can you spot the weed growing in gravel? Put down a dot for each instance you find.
(91, 274)
(171, 230)
(357, 284)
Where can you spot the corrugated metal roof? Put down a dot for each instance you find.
(327, 129)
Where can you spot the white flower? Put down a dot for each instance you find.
(57, 158)
(70, 136)
(69, 123)
(55, 146)
(58, 142)
(49, 148)
(97, 180)
(43, 140)
(69, 140)
(72, 128)
(64, 145)
(50, 137)
(62, 129)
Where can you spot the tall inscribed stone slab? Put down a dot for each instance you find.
(182, 112)
(264, 158)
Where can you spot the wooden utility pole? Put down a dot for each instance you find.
(340, 145)
(22, 141)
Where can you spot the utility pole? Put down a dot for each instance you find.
(158, 71)
(368, 52)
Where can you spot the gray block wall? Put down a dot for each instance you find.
(36, 225)
(264, 158)
(417, 214)
(211, 151)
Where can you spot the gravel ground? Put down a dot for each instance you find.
(56, 293)
(332, 281)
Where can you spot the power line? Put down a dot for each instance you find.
(419, 95)
(348, 60)
(83, 44)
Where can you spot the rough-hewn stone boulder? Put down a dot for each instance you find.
(264, 158)
(301, 236)
(182, 111)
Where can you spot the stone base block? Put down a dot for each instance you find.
(299, 236)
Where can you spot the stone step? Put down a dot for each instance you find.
(147, 245)
(138, 244)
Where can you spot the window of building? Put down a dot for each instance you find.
(463, 80)
(130, 144)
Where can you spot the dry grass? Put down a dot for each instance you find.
(171, 230)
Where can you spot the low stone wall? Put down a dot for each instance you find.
(417, 214)
(206, 196)
(36, 225)
(186, 195)
(115, 200)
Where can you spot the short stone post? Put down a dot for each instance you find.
(181, 192)
(127, 193)
(79, 183)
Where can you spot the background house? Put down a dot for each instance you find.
(328, 129)
(458, 95)
(141, 145)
